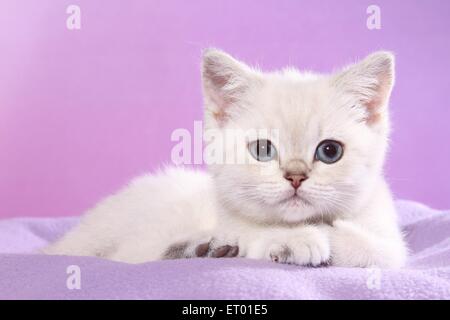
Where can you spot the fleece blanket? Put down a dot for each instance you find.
(26, 275)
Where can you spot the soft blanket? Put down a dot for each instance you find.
(24, 275)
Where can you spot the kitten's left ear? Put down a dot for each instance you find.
(370, 82)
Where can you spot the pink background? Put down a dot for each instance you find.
(81, 112)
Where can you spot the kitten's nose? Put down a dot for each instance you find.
(296, 179)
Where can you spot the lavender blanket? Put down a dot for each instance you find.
(24, 275)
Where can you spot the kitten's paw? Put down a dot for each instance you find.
(187, 249)
(307, 247)
(216, 249)
(280, 253)
(201, 248)
(313, 252)
(353, 246)
(224, 251)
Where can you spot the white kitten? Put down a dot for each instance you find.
(310, 190)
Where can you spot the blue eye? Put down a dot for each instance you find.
(329, 151)
(262, 150)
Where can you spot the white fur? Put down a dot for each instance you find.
(346, 213)
(141, 220)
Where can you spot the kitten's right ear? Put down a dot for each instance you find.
(225, 82)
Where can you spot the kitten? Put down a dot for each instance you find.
(310, 191)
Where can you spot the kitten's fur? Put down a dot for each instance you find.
(346, 214)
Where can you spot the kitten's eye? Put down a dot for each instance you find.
(262, 150)
(329, 151)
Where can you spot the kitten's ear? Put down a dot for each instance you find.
(370, 82)
(225, 82)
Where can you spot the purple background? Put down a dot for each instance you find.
(81, 112)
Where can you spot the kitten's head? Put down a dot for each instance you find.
(320, 140)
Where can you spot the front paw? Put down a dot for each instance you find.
(354, 246)
(300, 252)
(214, 249)
(201, 248)
(308, 247)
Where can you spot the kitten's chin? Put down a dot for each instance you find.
(295, 208)
(295, 201)
(291, 209)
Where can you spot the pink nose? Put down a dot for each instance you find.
(295, 179)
